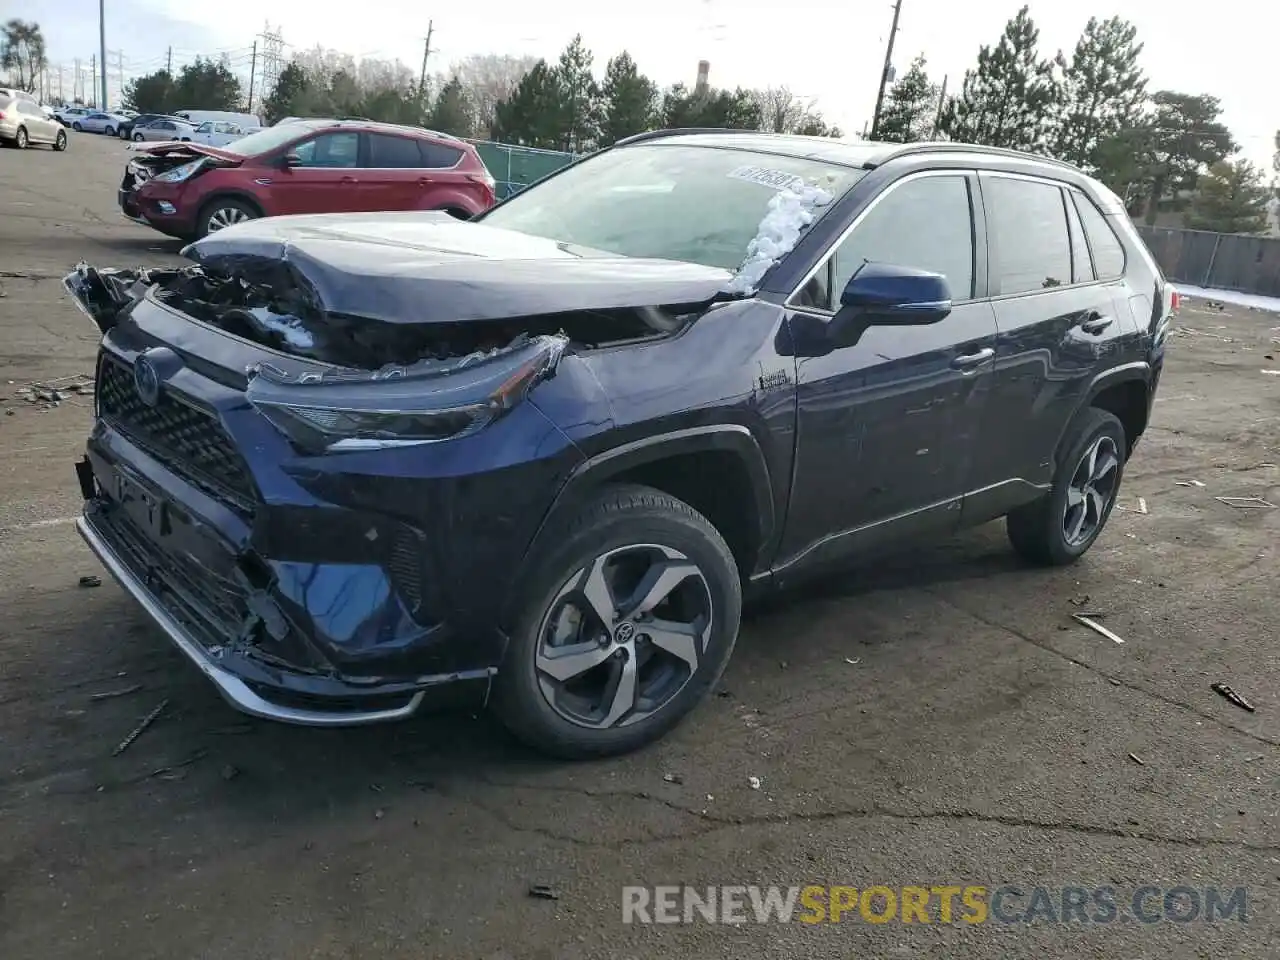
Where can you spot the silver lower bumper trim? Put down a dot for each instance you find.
(233, 689)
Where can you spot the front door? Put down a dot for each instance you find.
(326, 179)
(886, 426)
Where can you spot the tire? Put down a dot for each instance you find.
(110, 131)
(76, 127)
(1041, 532)
(619, 533)
(222, 212)
(20, 139)
(60, 141)
(138, 138)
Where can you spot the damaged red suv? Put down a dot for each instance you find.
(189, 190)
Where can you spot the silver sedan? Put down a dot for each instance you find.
(159, 130)
(107, 123)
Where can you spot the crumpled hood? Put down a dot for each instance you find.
(186, 148)
(431, 268)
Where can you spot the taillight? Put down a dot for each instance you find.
(1, 114)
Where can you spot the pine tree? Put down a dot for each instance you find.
(1231, 198)
(451, 113)
(910, 107)
(577, 118)
(628, 97)
(1009, 100)
(1104, 91)
(530, 116)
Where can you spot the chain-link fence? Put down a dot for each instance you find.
(516, 167)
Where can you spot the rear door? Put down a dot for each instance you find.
(40, 128)
(1057, 324)
(326, 179)
(391, 177)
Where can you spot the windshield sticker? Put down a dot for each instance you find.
(774, 179)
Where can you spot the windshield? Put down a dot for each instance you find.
(670, 201)
(268, 139)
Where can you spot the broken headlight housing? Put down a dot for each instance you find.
(343, 410)
(179, 173)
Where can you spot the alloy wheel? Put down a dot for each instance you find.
(224, 217)
(21, 138)
(623, 636)
(1092, 487)
(60, 142)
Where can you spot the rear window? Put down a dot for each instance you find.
(437, 156)
(5, 100)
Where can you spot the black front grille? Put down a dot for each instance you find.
(186, 438)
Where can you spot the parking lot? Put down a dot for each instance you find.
(937, 720)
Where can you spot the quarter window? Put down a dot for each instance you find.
(1029, 231)
(1108, 252)
(1081, 265)
(926, 223)
(436, 156)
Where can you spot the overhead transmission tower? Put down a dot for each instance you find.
(272, 58)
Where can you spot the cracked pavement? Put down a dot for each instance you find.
(979, 737)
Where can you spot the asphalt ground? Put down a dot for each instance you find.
(939, 720)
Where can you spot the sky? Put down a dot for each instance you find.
(828, 51)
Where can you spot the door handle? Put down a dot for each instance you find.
(348, 180)
(1095, 323)
(425, 181)
(973, 359)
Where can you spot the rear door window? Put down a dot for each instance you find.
(1029, 235)
(1108, 252)
(391, 152)
(437, 156)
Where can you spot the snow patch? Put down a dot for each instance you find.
(1256, 301)
(289, 327)
(790, 212)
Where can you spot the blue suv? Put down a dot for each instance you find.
(350, 462)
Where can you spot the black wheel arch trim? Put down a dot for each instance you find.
(239, 196)
(1138, 370)
(730, 437)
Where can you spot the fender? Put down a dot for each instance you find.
(732, 437)
(1139, 370)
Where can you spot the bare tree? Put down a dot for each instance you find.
(781, 111)
(487, 80)
(22, 53)
(321, 65)
(378, 75)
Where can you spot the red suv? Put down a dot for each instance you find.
(188, 190)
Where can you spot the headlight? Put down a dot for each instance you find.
(406, 406)
(178, 174)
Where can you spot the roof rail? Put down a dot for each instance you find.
(911, 149)
(675, 132)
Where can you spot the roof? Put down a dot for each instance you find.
(865, 154)
(318, 123)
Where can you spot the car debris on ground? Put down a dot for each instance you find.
(1093, 625)
(149, 719)
(543, 891)
(91, 580)
(112, 694)
(1223, 690)
(1245, 502)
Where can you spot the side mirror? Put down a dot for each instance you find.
(291, 160)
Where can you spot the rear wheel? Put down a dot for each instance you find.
(137, 138)
(110, 131)
(20, 139)
(628, 618)
(76, 127)
(1059, 528)
(221, 213)
(60, 141)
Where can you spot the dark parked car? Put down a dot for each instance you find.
(190, 190)
(347, 462)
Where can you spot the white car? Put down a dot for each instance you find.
(164, 129)
(218, 133)
(67, 115)
(98, 122)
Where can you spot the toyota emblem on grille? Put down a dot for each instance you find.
(146, 380)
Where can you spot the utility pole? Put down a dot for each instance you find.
(75, 81)
(168, 62)
(93, 82)
(942, 102)
(422, 81)
(884, 74)
(102, 47)
(60, 100)
(253, 70)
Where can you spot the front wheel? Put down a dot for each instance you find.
(137, 138)
(60, 141)
(627, 619)
(110, 131)
(1059, 528)
(76, 127)
(220, 214)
